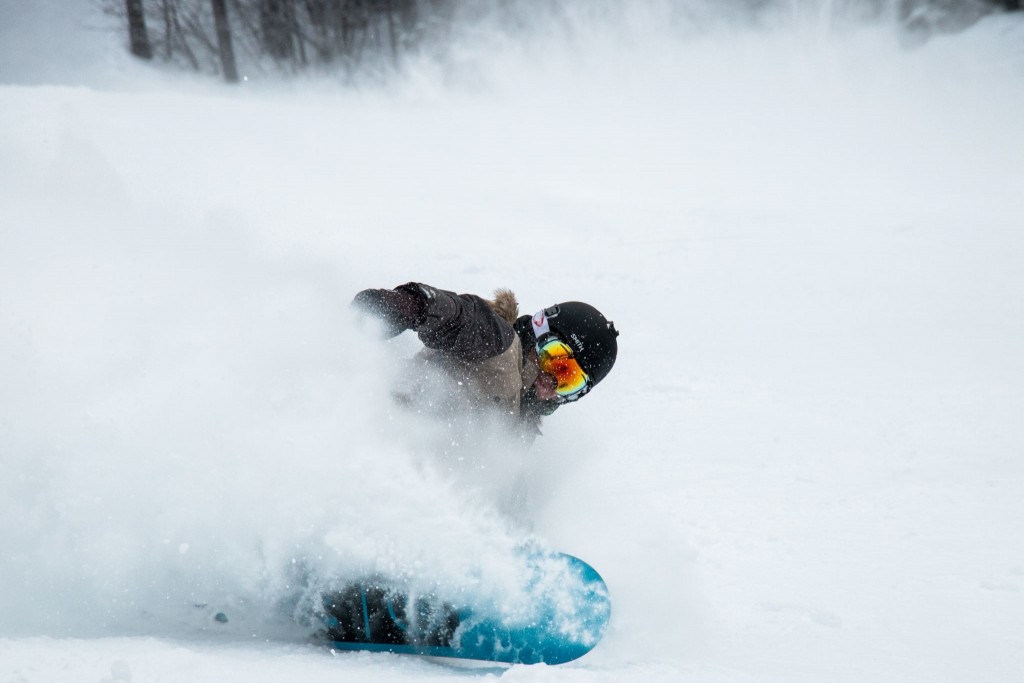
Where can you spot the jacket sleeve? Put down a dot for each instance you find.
(462, 325)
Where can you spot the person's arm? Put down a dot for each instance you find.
(463, 325)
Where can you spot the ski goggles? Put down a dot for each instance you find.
(555, 358)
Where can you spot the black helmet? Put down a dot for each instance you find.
(581, 326)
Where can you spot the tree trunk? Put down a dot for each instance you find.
(141, 47)
(168, 30)
(392, 33)
(276, 29)
(227, 52)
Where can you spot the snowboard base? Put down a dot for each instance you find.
(569, 614)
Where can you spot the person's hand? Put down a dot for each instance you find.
(397, 309)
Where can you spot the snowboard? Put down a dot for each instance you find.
(567, 615)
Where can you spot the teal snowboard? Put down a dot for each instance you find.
(567, 616)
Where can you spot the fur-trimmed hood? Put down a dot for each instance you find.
(505, 305)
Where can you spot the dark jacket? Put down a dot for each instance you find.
(474, 341)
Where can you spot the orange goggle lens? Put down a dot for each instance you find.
(555, 358)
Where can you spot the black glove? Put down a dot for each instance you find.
(399, 309)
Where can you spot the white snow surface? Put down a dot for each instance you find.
(807, 465)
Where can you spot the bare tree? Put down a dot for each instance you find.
(276, 28)
(137, 33)
(227, 52)
(283, 36)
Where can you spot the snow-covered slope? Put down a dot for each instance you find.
(806, 465)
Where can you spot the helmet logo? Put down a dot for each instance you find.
(540, 324)
(577, 341)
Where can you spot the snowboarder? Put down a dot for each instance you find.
(526, 367)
